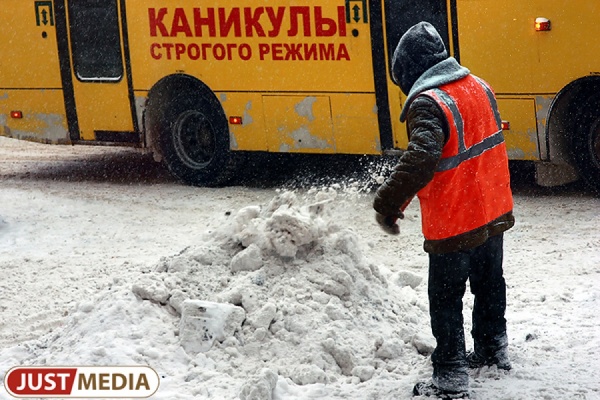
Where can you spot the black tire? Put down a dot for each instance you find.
(193, 134)
(586, 143)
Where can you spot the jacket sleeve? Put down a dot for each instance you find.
(428, 132)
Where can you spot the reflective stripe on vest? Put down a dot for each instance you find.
(477, 149)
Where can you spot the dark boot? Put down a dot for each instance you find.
(430, 390)
(493, 353)
(451, 378)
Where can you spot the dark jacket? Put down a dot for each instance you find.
(419, 65)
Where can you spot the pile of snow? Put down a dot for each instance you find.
(280, 297)
(314, 310)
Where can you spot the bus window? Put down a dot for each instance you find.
(95, 40)
(400, 15)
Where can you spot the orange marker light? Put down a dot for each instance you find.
(542, 24)
(505, 125)
(16, 114)
(235, 120)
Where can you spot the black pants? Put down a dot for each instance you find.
(448, 274)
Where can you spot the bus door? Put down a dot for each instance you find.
(31, 96)
(102, 94)
(399, 16)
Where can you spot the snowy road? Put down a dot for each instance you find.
(79, 222)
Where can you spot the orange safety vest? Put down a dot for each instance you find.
(471, 185)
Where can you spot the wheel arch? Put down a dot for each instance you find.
(562, 118)
(558, 165)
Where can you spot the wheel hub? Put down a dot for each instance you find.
(194, 139)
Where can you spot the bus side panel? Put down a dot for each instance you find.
(251, 134)
(332, 123)
(355, 123)
(570, 49)
(30, 79)
(43, 115)
(299, 124)
(29, 50)
(233, 46)
(521, 138)
(498, 43)
(279, 49)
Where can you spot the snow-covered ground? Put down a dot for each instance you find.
(99, 248)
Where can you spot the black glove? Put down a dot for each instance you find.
(389, 222)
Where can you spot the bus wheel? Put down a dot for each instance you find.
(195, 143)
(586, 144)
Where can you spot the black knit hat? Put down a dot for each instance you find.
(419, 49)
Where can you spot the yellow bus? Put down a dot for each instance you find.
(200, 84)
